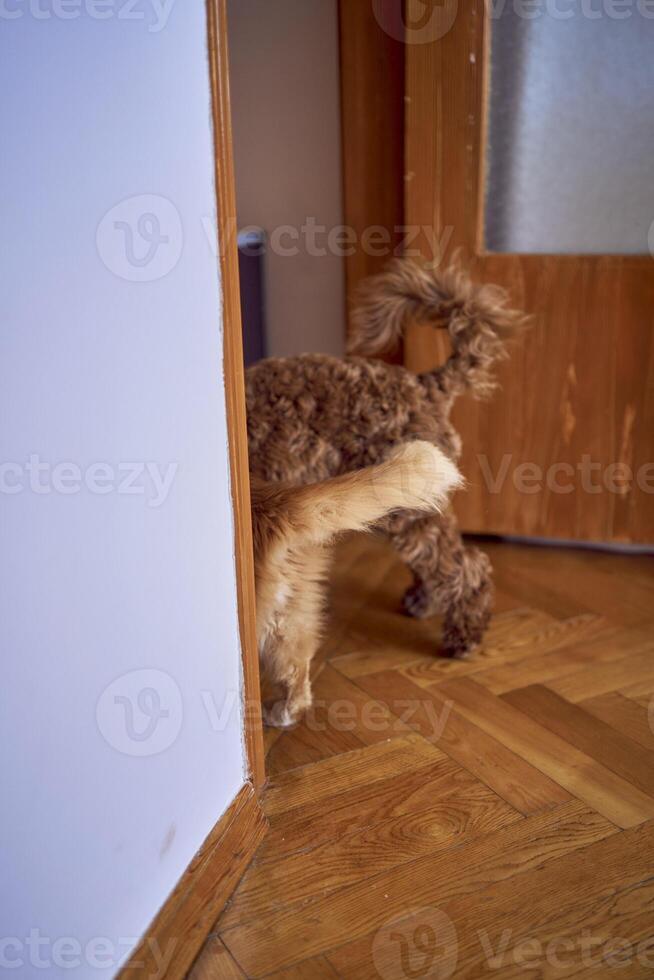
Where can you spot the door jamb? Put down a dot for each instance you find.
(235, 384)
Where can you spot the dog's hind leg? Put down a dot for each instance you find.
(448, 577)
(295, 677)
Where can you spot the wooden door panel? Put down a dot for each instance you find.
(578, 392)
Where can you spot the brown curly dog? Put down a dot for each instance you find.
(315, 416)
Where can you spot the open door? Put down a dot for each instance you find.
(564, 450)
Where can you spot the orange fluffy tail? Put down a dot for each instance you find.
(416, 476)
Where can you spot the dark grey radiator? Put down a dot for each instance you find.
(251, 257)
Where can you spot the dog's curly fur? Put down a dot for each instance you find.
(315, 416)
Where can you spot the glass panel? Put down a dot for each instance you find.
(570, 157)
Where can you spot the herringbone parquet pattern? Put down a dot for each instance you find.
(509, 796)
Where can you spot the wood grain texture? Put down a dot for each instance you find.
(308, 784)
(182, 925)
(634, 673)
(623, 715)
(512, 564)
(404, 651)
(607, 645)
(215, 962)
(341, 718)
(567, 578)
(372, 125)
(577, 772)
(642, 690)
(523, 786)
(645, 701)
(522, 642)
(380, 846)
(563, 948)
(313, 738)
(234, 382)
(363, 584)
(600, 741)
(580, 385)
(359, 806)
(281, 937)
(494, 922)
(415, 817)
(316, 968)
(626, 860)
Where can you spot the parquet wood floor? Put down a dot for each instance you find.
(493, 816)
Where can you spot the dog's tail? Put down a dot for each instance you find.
(415, 476)
(478, 319)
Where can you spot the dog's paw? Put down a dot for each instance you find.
(276, 714)
(461, 652)
(460, 644)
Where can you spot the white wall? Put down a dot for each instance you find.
(99, 368)
(286, 117)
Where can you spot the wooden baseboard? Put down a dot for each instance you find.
(175, 938)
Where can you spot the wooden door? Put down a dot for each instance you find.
(564, 450)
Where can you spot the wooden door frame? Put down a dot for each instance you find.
(188, 915)
(235, 383)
